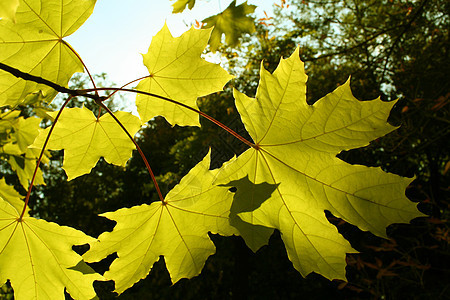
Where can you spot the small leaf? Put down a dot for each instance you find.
(26, 131)
(177, 229)
(24, 166)
(19, 134)
(86, 138)
(180, 5)
(234, 21)
(178, 72)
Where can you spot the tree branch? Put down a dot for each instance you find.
(19, 74)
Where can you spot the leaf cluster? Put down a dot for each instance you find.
(288, 177)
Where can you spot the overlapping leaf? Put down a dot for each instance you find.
(177, 229)
(234, 21)
(34, 44)
(296, 148)
(17, 134)
(85, 139)
(37, 257)
(178, 72)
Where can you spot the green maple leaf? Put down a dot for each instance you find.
(37, 257)
(8, 9)
(34, 44)
(26, 131)
(21, 133)
(180, 5)
(8, 120)
(177, 229)
(24, 165)
(234, 21)
(10, 195)
(296, 148)
(85, 139)
(178, 72)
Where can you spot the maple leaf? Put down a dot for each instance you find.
(8, 9)
(20, 133)
(233, 22)
(25, 164)
(25, 131)
(177, 229)
(296, 147)
(10, 195)
(37, 257)
(180, 5)
(37, 35)
(85, 139)
(178, 72)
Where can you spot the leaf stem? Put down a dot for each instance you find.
(82, 62)
(40, 157)
(100, 103)
(211, 119)
(121, 88)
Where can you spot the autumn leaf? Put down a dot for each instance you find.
(34, 44)
(178, 72)
(85, 139)
(296, 148)
(177, 229)
(8, 9)
(234, 21)
(37, 257)
(180, 5)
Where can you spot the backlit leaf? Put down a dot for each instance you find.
(37, 257)
(178, 72)
(296, 148)
(25, 131)
(19, 133)
(85, 139)
(10, 195)
(34, 44)
(24, 165)
(234, 21)
(178, 230)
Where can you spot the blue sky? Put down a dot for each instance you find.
(118, 31)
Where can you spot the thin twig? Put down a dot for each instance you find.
(206, 116)
(101, 104)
